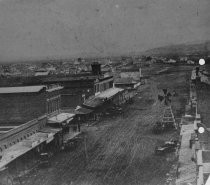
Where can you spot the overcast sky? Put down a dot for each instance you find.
(63, 28)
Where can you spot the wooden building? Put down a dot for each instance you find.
(78, 88)
(22, 104)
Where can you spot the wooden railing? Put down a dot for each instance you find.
(22, 127)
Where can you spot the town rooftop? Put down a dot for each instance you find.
(24, 89)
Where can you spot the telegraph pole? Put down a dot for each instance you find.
(86, 153)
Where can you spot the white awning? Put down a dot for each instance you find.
(23, 89)
(109, 92)
(50, 130)
(24, 146)
(70, 136)
(61, 118)
(68, 120)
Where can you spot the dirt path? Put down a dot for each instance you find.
(120, 150)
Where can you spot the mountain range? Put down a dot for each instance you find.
(200, 48)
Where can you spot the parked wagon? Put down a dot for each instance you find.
(45, 159)
(168, 147)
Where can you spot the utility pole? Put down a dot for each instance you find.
(86, 153)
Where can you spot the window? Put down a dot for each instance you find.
(57, 104)
(97, 87)
(74, 128)
(100, 87)
(107, 85)
(52, 104)
(110, 84)
(48, 107)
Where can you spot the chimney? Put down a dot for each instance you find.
(96, 68)
(197, 71)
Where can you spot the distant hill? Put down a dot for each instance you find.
(202, 48)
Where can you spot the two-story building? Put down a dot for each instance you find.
(79, 87)
(29, 114)
(22, 104)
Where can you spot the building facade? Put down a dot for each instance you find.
(25, 111)
(135, 73)
(22, 104)
(78, 88)
(40, 127)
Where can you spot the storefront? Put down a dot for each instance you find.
(84, 114)
(69, 127)
(113, 95)
(24, 155)
(54, 140)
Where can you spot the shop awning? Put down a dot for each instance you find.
(83, 110)
(60, 118)
(50, 130)
(23, 147)
(94, 102)
(70, 136)
(99, 99)
(109, 93)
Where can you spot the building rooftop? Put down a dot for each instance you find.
(110, 92)
(94, 102)
(74, 78)
(53, 87)
(133, 69)
(24, 89)
(125, 81)
(42, 73)
(82, 110)
(69, 78)
(5, 129)
(98, 100)
(61, 117)
(22, 147)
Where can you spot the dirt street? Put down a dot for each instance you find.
(121, 150)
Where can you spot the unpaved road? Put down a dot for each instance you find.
(120, 150)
